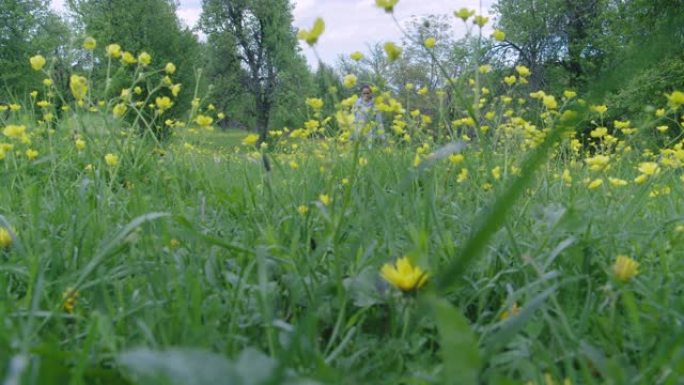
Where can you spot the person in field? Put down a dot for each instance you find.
(367, 119)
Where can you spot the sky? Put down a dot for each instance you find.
(350, 24)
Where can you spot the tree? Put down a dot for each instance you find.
(27, 28)
(264, 43)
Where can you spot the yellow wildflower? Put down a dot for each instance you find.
(14, 131)
(69, 299)
(111, 160)
(119, 110)
(648, 168)
(509, 80)
(113, 50)
(89, 43)
(599, 132)
(514, 311)
(79, 87)
(462, 176)
(47, 82)
(569, 94)
(404, 275)
(302, 209)
(5, 238)
(356, 56)
(480, 20)
(464, 13)
(675, 99)
(80, 144)
(523, 71)
(430, 42)
(387, 5)
(311, 37)
(594, 184)
(170, 68)
(499, 35)
(128, 58)
(625, 268)
(37, 62)
(250, 140)
(349, 81)
(325, 199)
(31, 154)
(204, 120)
(144, 58)
(393, 52)
(601, 109)
(163, 103)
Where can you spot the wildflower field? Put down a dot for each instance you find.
(528, 241)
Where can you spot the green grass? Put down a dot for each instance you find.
(203, 251)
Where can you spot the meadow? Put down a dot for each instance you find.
(526, 242)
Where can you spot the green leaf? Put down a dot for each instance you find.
(460, 353)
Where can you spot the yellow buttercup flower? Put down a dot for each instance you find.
(625, 268)
(404, 275)
(356, 56)
(325, 199)
(128, 58)
(31, 154)
(311, 36)
(430, 42)
(481, 20)
(111, 160)
(89, 43)
(499, 35)
(203, 120)
(170, 68)
(675, 99)
(349, 81)
(144, 58)
(393, 52)
(5, 238)
(79, 86)
(37, 62)
(314, 103)
(119, 110)
(464, 13)
(163, 103)
(250, 139)
(80, 144)
(113, 50)
(387, 5)
(14, 131)
(302, 209)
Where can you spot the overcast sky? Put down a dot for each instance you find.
(350, 24)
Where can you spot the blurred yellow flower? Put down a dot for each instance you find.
(499, 35)
(31, 154)
(356, 56)
(464, 13)
(14, 131)
(37, 62)
(311, 37)
(144, 58)
(250, 139)
(113, 51)
(128, 58)
(80, 144)
(163, 103)
(47, 82)
(480, 20)
(510, 80)
(204, 120)
(430, 42)
(302, 209)
(513, 311)
(170, 68)
(315, 103)
(625, 268)
(675, 99)
(349, 81)
(393, 52)
(69, 297)
(5, 238)
(404, 275)
(111, 160)
(325, 199)
(89, 43)
(387, 5)
(119, 110)
(79, 86)
(594, 184)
